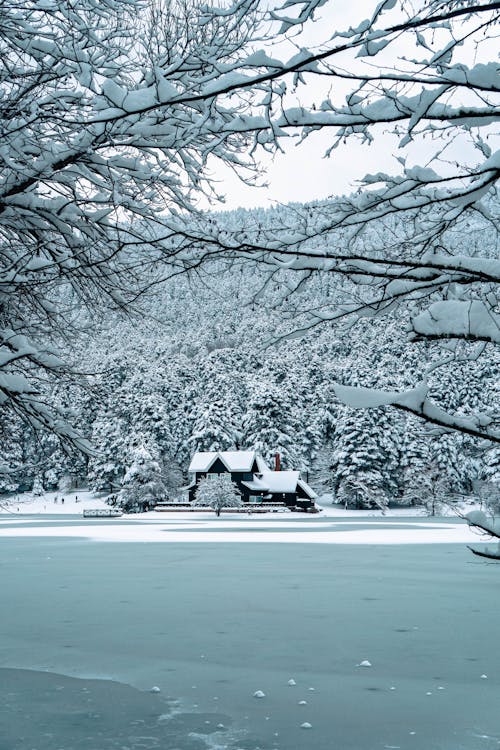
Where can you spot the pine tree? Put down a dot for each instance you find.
(143, 485)
(365, 455)
(213, 428)
(37, 490)
(108, 465)
(269, 426)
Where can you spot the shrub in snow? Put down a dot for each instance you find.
(50, 479)
(430, 488)
(488, 493)
(217, 493)
(363, 490)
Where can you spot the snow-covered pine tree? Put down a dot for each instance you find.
(216, 416)
(110, 442)
(217, 493)
(143, 485)
(445, 454)
(213, 428)
(13, 466)
(365, 454)
(269, 425)
(415, 457)
(492, 465)
(37, 490)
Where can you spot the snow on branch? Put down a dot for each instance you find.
(489, 527)
(471, 320)
(416, 402)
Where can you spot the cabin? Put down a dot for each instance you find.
(255, 480)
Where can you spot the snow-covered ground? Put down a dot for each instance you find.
(331, 526)
(88, 628)
(51, 503)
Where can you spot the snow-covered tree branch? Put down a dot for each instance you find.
(488, 527)
(422, 238)
(109, 114)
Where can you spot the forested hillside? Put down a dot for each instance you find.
(208, 361)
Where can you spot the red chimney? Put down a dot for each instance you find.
(277, 462)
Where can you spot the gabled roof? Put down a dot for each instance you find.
(308, 490)
(280, 482)
(232, 460)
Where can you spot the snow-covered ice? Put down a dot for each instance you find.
(84, 617)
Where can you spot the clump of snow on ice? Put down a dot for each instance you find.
(429, 693)
(259, 694)
(484, 676)
(302, 703)
(364, 663)
(220, 726)
(312, 689)
(440, 687)
(306, 725)
(392, 687)
(292, 682)
(155, 689)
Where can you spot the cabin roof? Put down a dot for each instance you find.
(232, 460)
(308, 490)
(279, 482)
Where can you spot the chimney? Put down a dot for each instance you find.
(277, 462)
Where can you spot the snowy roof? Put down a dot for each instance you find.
(280, 481)
(308, 490)
(257, 485)
(232, 460)
(202, 461)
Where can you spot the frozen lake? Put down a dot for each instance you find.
(91, 622)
